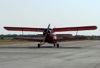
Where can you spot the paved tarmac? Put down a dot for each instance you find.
(77, 54)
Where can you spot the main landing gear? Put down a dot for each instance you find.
(39, 45)
(56, 45)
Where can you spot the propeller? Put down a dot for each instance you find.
(47, 30)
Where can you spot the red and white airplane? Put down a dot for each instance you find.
(48, 33)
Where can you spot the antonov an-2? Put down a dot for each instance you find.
(48, 33)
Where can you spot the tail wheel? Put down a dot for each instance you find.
(57, 45)
(39, 45)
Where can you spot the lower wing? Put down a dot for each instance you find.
(71, 39)
(29, 39)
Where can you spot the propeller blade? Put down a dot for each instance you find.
(46, 34)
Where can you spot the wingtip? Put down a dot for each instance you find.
(4, 27)
(96, 27)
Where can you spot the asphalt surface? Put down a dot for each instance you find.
(77, 54)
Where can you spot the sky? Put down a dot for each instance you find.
(58, 13)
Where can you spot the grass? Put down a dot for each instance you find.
(9, 41)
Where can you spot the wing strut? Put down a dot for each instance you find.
(22, 36)
(76, 32)
(22, 32)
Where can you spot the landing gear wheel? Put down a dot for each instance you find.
(57, 45)
(39, 45)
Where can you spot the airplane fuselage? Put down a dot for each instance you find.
(49, 36)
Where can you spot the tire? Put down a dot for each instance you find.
(39, 45)
(57, 45)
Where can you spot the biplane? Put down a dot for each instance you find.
(48, 34)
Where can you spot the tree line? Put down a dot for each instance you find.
(2, 36)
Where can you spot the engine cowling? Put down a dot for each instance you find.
(46, 31)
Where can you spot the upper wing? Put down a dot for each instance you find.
(75, 28)
(24, 29)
